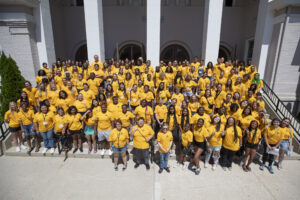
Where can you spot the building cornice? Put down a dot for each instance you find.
(27, 3)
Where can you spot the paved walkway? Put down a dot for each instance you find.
(50, 178)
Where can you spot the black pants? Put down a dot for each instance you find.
(157, 127)
(227, 157)
(142, 156)
(266, 156)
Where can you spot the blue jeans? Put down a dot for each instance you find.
(28, 129)
(164, 157)
(48, 138)
(215, 152)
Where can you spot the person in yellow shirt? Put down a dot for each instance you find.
(41, 77)
(81, 104)
(208, 102)
(122, 94)
(193, 105)
(287, 140)
(160, 113)
(26, 116)
(59, 121)
(142, 134)
(200, 114)
(188, 86)
(63, 101)
(103, 126)
(96, 61)
(25, 99)
(178, 96)
(126, 117)
(43, 124)
(186, 142)
(164, 141)
(146, 112)
(88, 120)
(260, 101)
(163, 93)
(272, 137)
(134, 99)
(246, 118)
(11, 117)
(214, 141)
(200, 135)
(30, 91)
(118, 141)
(220, 96)
(147, 95)
(41, 94)
(232, 142)
(93, 83)
(178, 80)
(88, 94)
(253, 138)
(74, 125)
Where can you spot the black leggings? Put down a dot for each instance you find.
(227, 157)
(266, 156)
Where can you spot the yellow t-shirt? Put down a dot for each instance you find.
(273, 135)
(90, 121)
(134, 98)
(216, 140)
(188, 85)
(229, 142)
(257, 137)
(200, 134)
(287, 133)
(115, 109)
(45, 122)
(124, 117)
(88, 95)
(205, 102)
(81, 106)
(26, 117)
(145, 112)
(31, 94)
(74, 122)
(193, 106)
(205, 117)
(164, 94)
(104, 120)
(63, 103)
(59, 123)
(171, 121)
(41, 95)
(148, 96)
(118, 138)
(186, 138)
(165, 140)
(161, 111)
(140, 135)
(179, 97)
(219, 98)
(245, 121)
(13, 118)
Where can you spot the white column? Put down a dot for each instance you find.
(44, 33)
(263, 36)
(153, 31)
(212, 30)
(93, 13)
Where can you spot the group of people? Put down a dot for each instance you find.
(187, 108)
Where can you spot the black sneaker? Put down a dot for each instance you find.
(74, 151)
(116, 168)
(160, 170)
(167, 169)
(80, 149)
(197, 171)
(136, 165)
(147, 166)
(124, 167)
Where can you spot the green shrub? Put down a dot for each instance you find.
(11, 83)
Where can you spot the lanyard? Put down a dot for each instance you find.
(44, 116)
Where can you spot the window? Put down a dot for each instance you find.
(250, 49)
(131, 51)
(81, 53)
(174, 52)
(228, 3)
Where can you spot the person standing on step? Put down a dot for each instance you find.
(142, 134)
(165, 141)
(118, 141)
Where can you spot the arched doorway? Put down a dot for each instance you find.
(224, 53)
(131, 51)
(174, 52)
(81, 53)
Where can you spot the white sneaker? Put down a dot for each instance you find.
(176, 165)
(185, 165)
(205, 165)
(45, 150)
(23, 147)
(102, 152)
(241, 164)
(214, 167)
(110, 152)
(52, 150)
(18, 149)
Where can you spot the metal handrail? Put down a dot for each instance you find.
(3, 131)
(281, 109)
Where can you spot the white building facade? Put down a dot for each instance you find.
(265, 31)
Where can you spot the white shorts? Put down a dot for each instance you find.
(103, 135)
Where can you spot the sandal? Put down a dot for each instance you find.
(245, 169)
(248, 168)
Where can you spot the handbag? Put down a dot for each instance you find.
(274, 152)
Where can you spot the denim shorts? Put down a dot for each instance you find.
(103, 135)
(28, 129)
(118, 150)
(284, 145)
